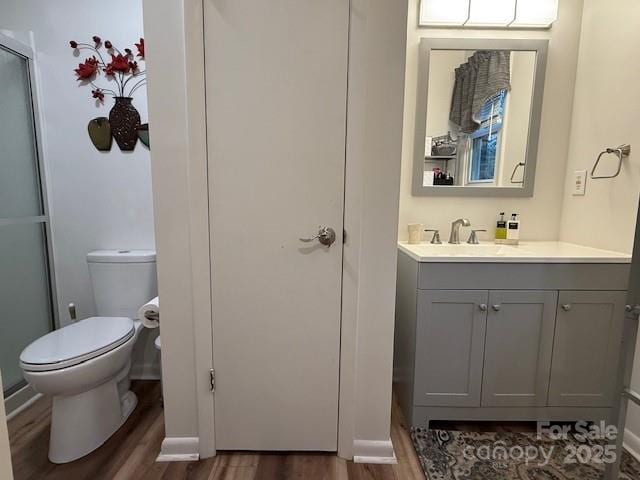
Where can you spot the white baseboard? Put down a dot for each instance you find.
(374, 451)
(20, 401)
(179, 449)
(185, 449)
(632, 443)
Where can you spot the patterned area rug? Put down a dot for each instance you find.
(454, 455)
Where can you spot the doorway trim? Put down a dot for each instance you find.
(372, 185)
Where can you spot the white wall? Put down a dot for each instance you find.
(174, 29)
(541, 213)
(98, 200)
(374, 140)
(515, 131)
(442, 78)
(605, 115)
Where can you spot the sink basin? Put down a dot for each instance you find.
(467, 250)
(526, 252)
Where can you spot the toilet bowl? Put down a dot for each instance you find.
(85, 366)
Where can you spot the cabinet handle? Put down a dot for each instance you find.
(483, 307)
(496, 308)
(566, 307)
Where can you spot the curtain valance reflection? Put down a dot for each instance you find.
(484, 75)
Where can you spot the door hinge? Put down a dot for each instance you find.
(212, 380)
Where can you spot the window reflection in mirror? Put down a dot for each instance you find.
(478, 117)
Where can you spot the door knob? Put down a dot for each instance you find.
(496, 308)
(566, 307)
(326, 236)
(483, 307)
(635, 309)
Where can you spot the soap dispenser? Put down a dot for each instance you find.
(501, 230)
(513, 230)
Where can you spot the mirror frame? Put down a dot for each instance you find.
(429, 44)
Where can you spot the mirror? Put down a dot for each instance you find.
(478, 116)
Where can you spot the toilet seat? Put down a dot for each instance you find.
(76, 343)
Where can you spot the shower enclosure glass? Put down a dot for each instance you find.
(26, 309)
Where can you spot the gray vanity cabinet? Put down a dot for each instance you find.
(586, 348)
(450, 334)
(512, 342)
(518, 348)
(484, 348)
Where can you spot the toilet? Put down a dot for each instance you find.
(85, 366)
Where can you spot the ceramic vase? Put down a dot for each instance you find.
(125, 122)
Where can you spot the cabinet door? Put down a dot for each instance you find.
(450, 334)
(586, 347)
(518, 348)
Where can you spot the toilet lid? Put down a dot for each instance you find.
(76, 343)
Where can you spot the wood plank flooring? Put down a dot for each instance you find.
(131, 453)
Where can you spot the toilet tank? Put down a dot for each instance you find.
(122, 280)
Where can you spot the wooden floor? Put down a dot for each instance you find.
(131, 453)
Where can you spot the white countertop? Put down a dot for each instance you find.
(525, 252)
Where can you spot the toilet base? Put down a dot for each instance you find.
(81, 423)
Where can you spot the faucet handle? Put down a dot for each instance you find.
(436, 236)
(473, 238)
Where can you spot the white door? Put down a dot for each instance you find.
(276, 79)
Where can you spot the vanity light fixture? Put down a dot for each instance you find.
(535, 13)
(491, 13)
(488, 13)
(444, 13)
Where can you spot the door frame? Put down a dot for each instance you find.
(26, 52)
(375, 103)
(627, 356)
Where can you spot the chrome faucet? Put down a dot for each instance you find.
(455, 229)
(436, 236)
(473, 238)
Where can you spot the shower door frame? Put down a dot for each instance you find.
(26, 52)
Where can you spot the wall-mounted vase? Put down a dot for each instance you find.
(125, 121)
(100, 133)
(143, 134)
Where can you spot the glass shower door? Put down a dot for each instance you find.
(25, 284)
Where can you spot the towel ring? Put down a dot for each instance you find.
(513, 174)
(621, 152)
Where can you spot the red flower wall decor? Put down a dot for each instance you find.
(120, 71)
(87, 69)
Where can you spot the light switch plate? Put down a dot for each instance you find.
(579, 182)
